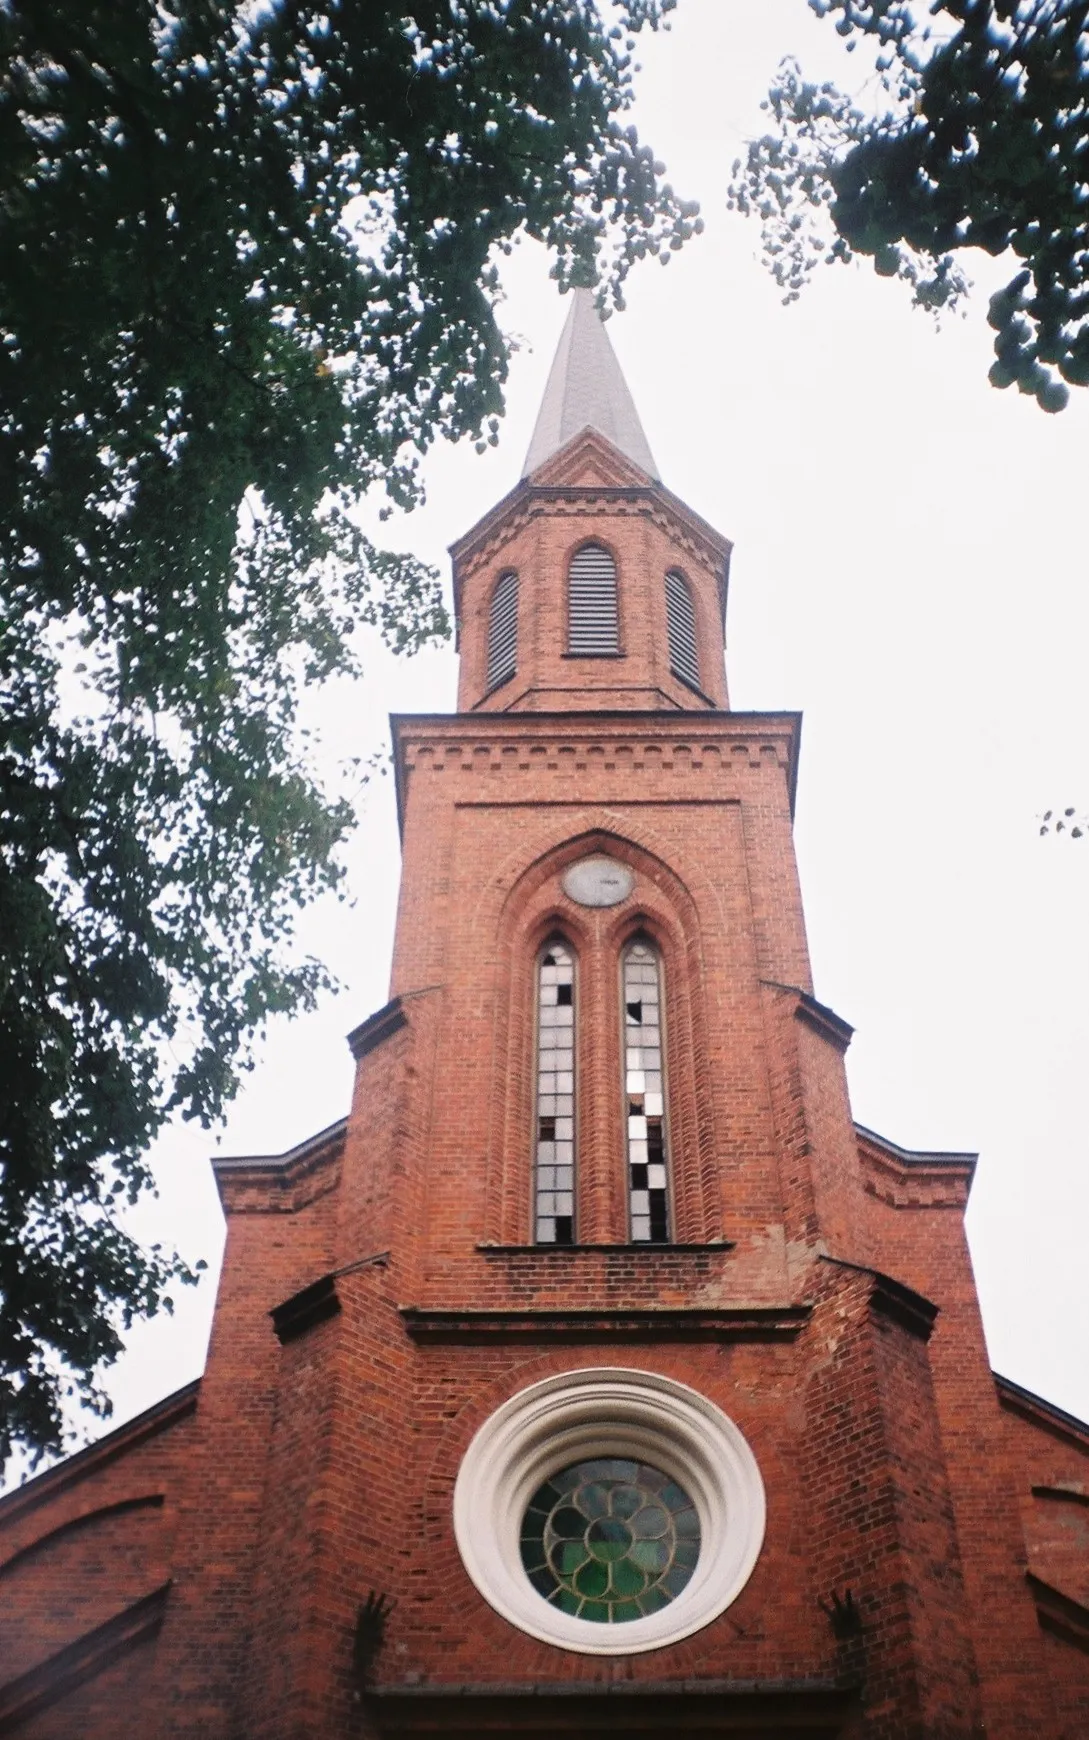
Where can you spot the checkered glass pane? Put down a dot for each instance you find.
(555, 1133)
(648, 1178)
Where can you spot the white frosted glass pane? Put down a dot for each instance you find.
(565, 1153)
(546, 1232)
(652, 1106)
(635, 1057)
(637, 1127)
(636, 1081)
(564, 1177)
(656, 1177)
(565, 1104)
(546, 1152)
(546, 1105)
(654, 1083)
(546, 1178)
(637, 1153)
(640, 1229)
(640, 1202)
(546, 1201)
(565, 1082)
(548, 975)
(565, 1129)
(565, 1015)
(565, 1203)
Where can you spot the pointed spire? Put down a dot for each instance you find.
(586, 390)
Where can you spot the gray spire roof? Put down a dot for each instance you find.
(586, 390)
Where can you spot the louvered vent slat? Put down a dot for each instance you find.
(503, 631)
(681, 629)
(592, 625)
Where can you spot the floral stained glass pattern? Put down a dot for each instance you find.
(555, 1183)
(648, 1183)
(610, 1540)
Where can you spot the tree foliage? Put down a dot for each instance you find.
(1065, 822)
(248, 273)
(980, 140)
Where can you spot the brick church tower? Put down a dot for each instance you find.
(598, 1374)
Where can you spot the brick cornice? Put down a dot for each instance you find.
(278, 1183)
(472, 740)
(816, 1707)
(1042, 1413)
(817, 1016)
(83, 1463)
(893, 1299)
(630, 492)
(904, 1178)
(595, 1324)
(382, 1025)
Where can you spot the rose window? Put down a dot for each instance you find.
(610, 1539)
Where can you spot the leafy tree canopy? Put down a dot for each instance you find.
(979, 141)
(247, 273)
(1066, 821)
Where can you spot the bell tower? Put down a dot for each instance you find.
(590, 587)
(598, 1374)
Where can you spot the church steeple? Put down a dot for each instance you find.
(590, 587)
(586, 390)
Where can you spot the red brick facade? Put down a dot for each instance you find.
(923, 1573)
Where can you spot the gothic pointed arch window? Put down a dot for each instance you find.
(593, 625)
(554, 1183)
(503, 630)
(644, 1093)
(681, 629)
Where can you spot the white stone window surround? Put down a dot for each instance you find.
(609, 1411)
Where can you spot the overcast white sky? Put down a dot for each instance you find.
(910, 572)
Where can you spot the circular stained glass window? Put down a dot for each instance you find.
(610, 1539)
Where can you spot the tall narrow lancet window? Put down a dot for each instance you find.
(592, 620)
(648, 1176)
(681, 629)
(503, 630)
(555, 1181)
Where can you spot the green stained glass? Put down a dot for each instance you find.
(628, 1579)
(569, 1524)
(610, 1540)
(627, 1500)
(593, 1498)
(592, 1579)
(650, 1556)
(651, 1522)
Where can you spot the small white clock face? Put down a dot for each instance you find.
(598, 881)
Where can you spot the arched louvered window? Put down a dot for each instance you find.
(503, 630)
(681, 629)
(592, 623)
(555, 1129)
(644, 1094)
